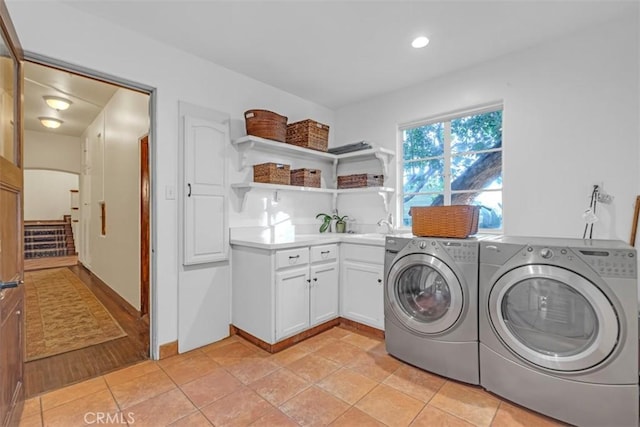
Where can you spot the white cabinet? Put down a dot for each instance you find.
(277, 294)
(361, 284)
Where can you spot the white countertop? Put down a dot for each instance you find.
(269, 241)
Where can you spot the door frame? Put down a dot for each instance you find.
(152, 203)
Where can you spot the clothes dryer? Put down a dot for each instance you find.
(559, 327)
(430, 304)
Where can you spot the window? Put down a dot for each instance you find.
(455, 161)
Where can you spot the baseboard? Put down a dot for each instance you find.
(169, 349)
(112, 294)
(281, 345)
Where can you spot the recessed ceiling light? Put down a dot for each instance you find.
(57, 103)
(50, 122)
(420, 42)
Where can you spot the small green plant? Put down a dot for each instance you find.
(341, 224)
(326, 221)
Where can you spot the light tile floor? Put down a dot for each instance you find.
(337, 378)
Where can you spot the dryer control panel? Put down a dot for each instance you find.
(611, 263)
(462, 251)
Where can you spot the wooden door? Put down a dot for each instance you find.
(11, 223)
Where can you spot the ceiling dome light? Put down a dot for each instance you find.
(50, 122)
(57, 103)
(420, 42)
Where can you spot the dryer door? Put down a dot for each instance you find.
(424, 294)
(553, 318)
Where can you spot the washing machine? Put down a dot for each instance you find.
(430, 304)
(559, 329)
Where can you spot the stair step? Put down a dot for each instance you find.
(48, 239)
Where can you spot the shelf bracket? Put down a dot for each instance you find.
(242, 195)
(385, 200)
(243, 152)
(335, 174)
(384, 159)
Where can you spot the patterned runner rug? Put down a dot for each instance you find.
(62, 314)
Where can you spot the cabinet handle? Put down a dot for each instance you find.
(379, 280)
(308, 280)
(189, 193)
(325, 252)
(315, 279)
(294, 257)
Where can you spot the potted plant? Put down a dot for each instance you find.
(326, 222)
(341, 224)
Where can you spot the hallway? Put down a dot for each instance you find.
(68, 368)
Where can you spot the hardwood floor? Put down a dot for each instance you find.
(75, 366)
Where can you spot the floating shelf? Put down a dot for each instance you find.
(243, 188)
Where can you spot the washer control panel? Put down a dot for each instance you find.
(460, 251)
(618, 263)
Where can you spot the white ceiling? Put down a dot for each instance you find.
(88, 98)
(339, 52)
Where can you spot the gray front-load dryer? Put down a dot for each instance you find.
(559, 328)
(430, 304)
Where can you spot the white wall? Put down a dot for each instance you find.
(176, 76)
(113, 169)
(46, 194)
(571, 113)
(46, 150)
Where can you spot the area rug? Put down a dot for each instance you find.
(62, 314)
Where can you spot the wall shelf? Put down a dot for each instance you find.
(248, 143)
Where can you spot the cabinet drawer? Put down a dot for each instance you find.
(324, 253)
(292, 257)
(363, 253)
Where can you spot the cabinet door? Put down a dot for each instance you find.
(324, 292)
(363, 293)
(205, 206)
(292, 301)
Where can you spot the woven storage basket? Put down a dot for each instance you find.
(360, 180)
(306, 177)
(266, 124)
(308, 134)
(272, 173)
(444, 221)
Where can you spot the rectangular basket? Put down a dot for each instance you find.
(306, 177)
(360, 180)
(266, 124)
(272, 173)
(444, 221)
(308, 134)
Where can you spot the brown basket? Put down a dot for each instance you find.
(271, 173)
(306, 177)
(360, 180)
(444, 221)
(308, 134)
(266, 124)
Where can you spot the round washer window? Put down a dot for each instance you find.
(423, 293)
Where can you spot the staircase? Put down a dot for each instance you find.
(45, 239)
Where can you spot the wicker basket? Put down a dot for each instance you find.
(360, 180)
(445, 221)
(272, 173)
(308, 134)
(306, 177)
(266, 124)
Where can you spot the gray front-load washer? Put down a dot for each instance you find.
(430, 304)
(559, 328)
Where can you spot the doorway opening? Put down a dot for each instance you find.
(98, 268)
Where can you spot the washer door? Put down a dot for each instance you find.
(424, 294)
(553, 318)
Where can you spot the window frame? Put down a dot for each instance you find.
(445, 119)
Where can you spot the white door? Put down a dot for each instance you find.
(292, 301)
(205, 218)
(363, 293)
(324, 292)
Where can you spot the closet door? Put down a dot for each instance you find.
(205, 219)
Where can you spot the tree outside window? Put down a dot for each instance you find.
(457, 161)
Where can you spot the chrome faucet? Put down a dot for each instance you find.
(387, 223)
